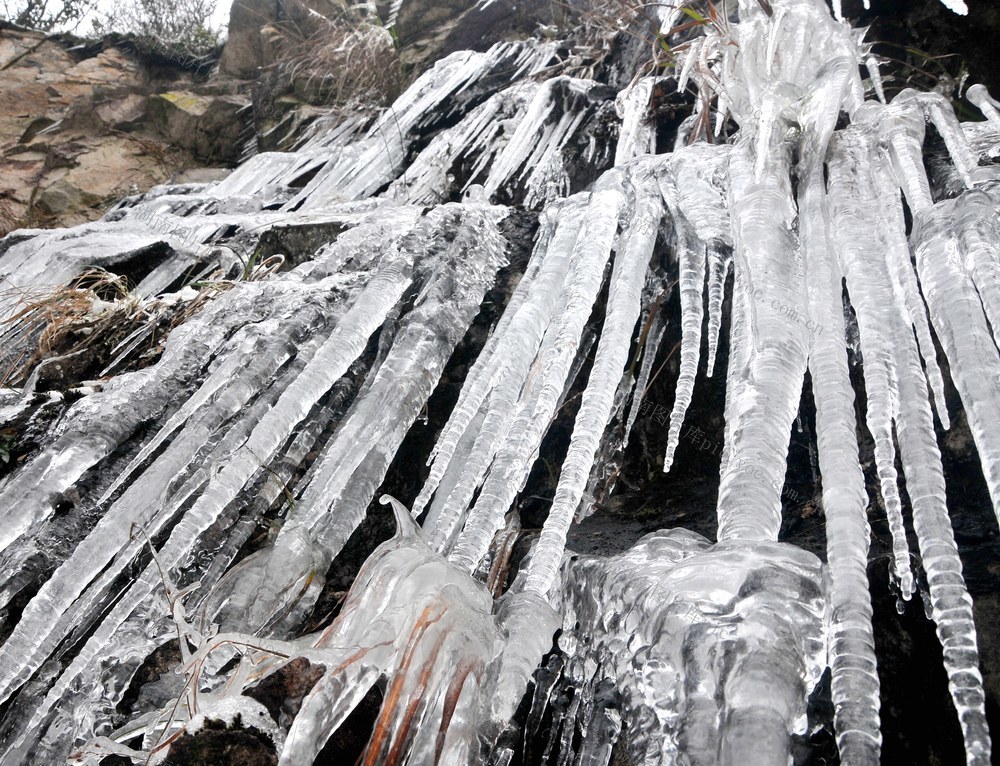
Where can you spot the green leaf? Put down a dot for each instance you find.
(694, 15)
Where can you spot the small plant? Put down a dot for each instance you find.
(600, 21)
(193, 707)
(348, 61)
(40, 14)
(910, 67)
(68, 319)
(184, 26)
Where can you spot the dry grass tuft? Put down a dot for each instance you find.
(94, 309)
(346, 61)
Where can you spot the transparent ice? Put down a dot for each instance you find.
(297, 388)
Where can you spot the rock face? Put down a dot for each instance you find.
(244, 51)
(83, 125)
(427, 29)
(207, 126)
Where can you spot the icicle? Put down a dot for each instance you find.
(690, 56)
(461, 479)
(113, 539)
(905, 279)
(854, 679)
(720, 262)
(951, 603)
(773, 352)
(918, 448)
(696, 196)
(91, 434)
(902, 128)
(638, 133)
(361, 168)
(980, 96)
(872, 65)
(482, 132)
(346, 478)
(627, 279)
(535, 149)
(649, 352)
(510, 469)
(938, 110)
(860, 242)
(514, 343)
(691, 263)
(945, 239)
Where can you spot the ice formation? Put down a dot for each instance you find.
(294, 385)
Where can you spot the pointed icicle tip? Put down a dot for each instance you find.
(406, 526)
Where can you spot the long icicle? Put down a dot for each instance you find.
(511, 467)
(627, 279)
(854, 677)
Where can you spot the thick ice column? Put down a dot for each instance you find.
(980, 232)
(764, 392)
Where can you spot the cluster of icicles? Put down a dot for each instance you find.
(303, 385)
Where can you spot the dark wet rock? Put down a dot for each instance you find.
(428, 29)
(221, 745)
(297, 243)
(282, 692)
